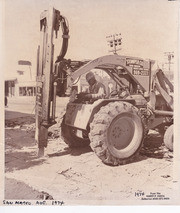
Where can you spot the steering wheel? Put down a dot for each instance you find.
(113, 93)
(122, 93)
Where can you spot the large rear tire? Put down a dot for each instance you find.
(168, 138)
(116, 133)
(70, 138)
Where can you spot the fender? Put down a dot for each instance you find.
(81, 115)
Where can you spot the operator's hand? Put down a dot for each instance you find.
(88, 96)
(80, 95)
(84, 96)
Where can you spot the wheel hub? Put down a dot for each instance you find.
(121, 132)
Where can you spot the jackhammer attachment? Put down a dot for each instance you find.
(50, 22)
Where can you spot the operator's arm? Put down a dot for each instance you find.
(100, 94)
(97, 92)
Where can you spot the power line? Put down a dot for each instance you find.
(114, 41)
(170, 56)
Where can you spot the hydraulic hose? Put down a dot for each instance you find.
(65, 36)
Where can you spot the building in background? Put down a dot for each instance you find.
(23, 83)
(10, 86)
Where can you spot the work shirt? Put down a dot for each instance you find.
(97, 90)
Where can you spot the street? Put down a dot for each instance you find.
(77, 176)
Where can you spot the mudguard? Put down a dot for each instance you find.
(80, 115)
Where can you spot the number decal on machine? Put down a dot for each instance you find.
(140, 72)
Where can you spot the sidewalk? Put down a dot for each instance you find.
(27, 105)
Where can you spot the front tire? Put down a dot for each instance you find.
(116, 133)
(168, 138)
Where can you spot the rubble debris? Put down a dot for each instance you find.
(45, 196)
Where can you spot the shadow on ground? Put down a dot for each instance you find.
(17, 190)
(21, 160)
(154, 147)
(20, 149)
(13, 118)
(72, 151)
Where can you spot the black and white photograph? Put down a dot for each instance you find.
(90, 106)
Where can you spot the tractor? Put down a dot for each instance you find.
(114, 126)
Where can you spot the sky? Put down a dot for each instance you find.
(148, 28)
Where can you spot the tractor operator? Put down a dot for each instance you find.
(96, 89)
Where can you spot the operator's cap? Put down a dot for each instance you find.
(89, 76)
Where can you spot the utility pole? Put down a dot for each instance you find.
(169, 56)
(113, 42)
